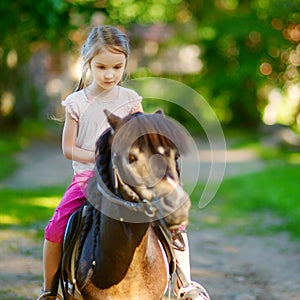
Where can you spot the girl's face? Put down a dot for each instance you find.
(107, 69)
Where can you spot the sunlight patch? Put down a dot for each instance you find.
(9, 220)
(49, 202)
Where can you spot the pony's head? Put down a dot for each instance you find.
(145, 149)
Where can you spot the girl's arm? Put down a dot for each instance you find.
(70, 150)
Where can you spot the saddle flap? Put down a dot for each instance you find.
(72, 234)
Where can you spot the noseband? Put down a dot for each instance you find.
(137, 205)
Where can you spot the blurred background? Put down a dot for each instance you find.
(242, 56)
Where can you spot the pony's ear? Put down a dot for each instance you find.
(159, 111)
(112, 119)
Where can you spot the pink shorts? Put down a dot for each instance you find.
(72, 200)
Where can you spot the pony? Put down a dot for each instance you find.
(135, 190)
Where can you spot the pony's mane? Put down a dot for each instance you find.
(150, 130)
(103, 156)
(92, 215)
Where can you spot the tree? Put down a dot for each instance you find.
(25, 26)
(243, 50)
(246, 48)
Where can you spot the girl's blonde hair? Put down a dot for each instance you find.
(108, 37)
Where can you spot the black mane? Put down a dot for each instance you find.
(152, 130)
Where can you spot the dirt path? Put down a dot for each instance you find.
(230, 265)
(243, 267)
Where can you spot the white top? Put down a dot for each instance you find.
(91, 118)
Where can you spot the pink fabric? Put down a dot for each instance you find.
(72, 200)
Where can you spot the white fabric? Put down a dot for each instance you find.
(91, 118)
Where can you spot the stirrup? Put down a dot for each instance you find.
(46, 295)
(194, 291)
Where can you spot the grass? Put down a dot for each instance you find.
(28, 209)
(9, 145)
(251, 200)
(23, 215)
(248, 200)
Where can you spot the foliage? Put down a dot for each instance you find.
(143, 12)
(28, 28)
(244, 52)
(239, 39)
(9, 145)
(25, 26)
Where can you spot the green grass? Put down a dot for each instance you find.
(250, 200)
(9, 145)
(247, 201)
(28, 208)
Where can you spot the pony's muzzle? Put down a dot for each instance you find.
(174, 207)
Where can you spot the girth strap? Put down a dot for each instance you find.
(164, 236)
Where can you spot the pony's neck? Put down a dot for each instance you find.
(118, 241)
(129, 234)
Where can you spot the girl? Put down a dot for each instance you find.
(105, 54)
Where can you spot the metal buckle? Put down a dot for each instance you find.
(150, 209)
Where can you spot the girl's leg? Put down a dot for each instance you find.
(52, 254)
(183, 258)
(72, 200)
(190, 289)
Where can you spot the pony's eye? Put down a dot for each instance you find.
(167, 153)
(132, 158)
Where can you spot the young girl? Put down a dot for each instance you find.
(105, 54)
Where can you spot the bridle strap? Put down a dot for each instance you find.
(149, 209)
(128, 190)
(143, 206)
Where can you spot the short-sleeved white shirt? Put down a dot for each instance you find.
(91, 118)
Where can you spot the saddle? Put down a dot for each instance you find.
(70, 249)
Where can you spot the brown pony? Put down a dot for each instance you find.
(136, 183)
